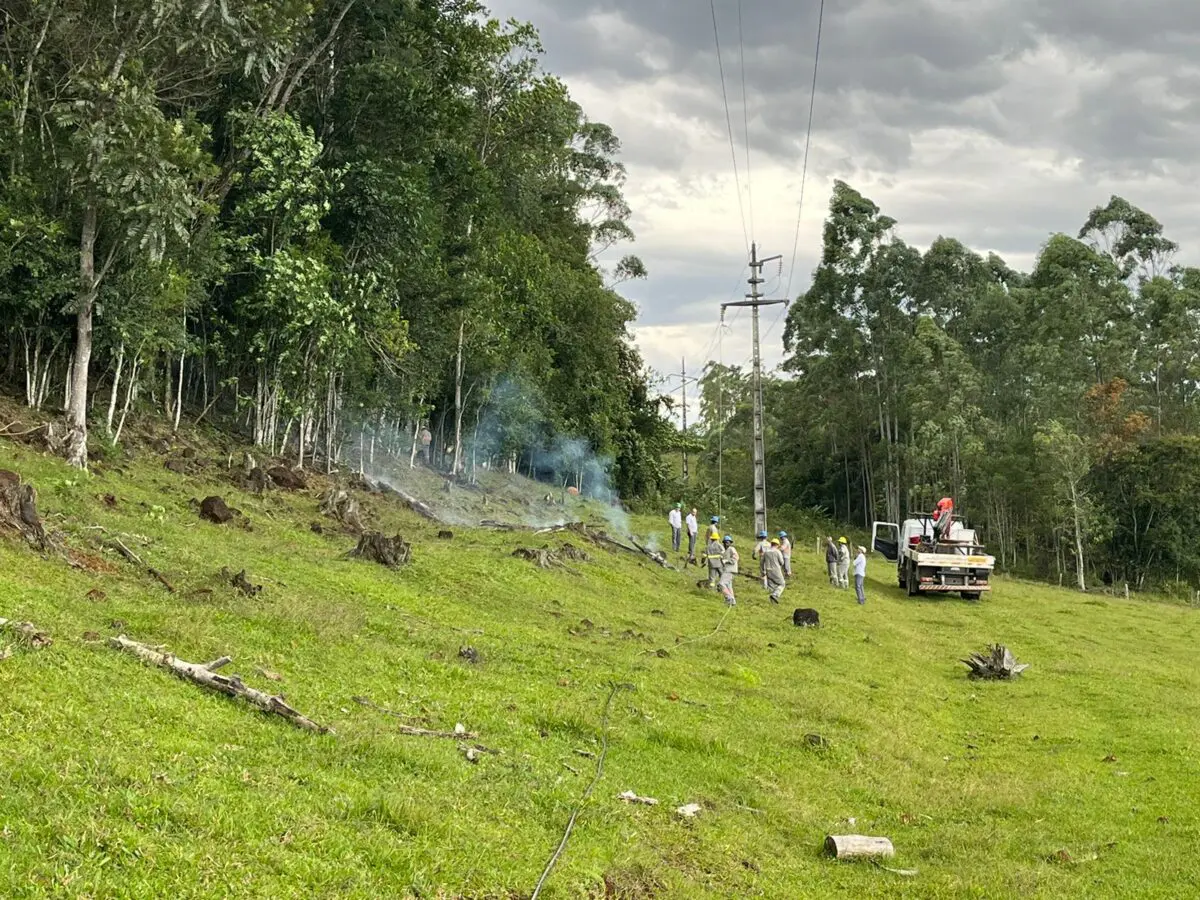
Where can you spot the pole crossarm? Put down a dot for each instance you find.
(752, 302)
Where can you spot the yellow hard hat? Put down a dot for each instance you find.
(842, 540)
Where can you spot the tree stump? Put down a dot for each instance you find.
(256, 481)
(806, 618)
(995, 663)
(287, 479)
(392, 552)
(18, 510)
(857, 846)
(215, 510)
(339, 505)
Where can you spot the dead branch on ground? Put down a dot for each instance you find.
(27, 633)
(205, 675)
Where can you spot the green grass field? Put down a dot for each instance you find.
(118, 780)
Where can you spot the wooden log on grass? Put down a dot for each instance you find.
(857, 846)
(205, 675)
(28, 633)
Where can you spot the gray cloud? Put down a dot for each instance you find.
(994, 121)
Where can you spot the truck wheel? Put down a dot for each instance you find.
(911, 581)
(900, 577)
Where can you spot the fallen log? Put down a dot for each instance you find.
(117, 545)
(28, 633)
(204, 674)
(857, 846)
(653, 555)
(421, 509)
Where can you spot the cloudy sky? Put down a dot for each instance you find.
(997, 122)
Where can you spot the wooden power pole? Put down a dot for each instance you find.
(754, 300)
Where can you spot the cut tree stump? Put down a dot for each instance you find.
(857, 846)
(996, 662)
(342, 507)
(205, 675)
(18, 510)
(256, 481)
(392, 552)
(287, 479)
(215, 510)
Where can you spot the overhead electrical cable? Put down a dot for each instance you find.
(812, 101)
(737, 180)
(746, 120)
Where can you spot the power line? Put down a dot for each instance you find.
(746, 121)
(812, 101)
(737, 181)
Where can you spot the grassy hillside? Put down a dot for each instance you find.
(118, 780)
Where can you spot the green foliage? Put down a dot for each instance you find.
(1029, 398)
(345, 217)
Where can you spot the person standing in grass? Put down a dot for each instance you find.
(713, 553)
(785, 548)
(843, 570)
(831, 560)
(760, 548)
(860, 575)
(693, 528)
(729, 568)
(772, 567)
(675, 517)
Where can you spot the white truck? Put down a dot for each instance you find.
(925, 564)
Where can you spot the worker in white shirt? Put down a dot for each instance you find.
(860, 574)
(675, 517)
(693, 529)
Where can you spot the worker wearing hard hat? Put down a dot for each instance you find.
(943, 517)
(760, 548)
(712, 555)
(785, 547)
(772, 568)
(843, 566)
(729, 568)
(714, 533)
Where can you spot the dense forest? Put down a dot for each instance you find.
(323, 224)
(1059, 407)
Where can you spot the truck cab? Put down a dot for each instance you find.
(926, 565)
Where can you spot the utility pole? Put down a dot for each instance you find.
(683, 383)
(755, 300)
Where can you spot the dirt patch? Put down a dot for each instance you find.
(89, 563)
(629, 884)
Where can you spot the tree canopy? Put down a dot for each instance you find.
(1058, 407)
(317, 221)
